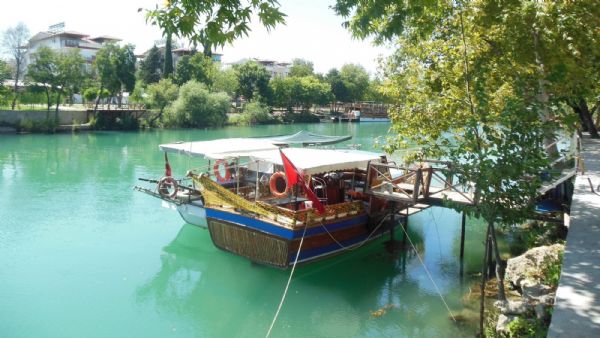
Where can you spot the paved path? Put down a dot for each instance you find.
(577, 305)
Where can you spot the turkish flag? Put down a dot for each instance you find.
(294, 177)
(167, 166)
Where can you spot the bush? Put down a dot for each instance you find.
(90, 94)
(303, 117)
(197, 107)
(255, 113)
(44, 126)
(102, 122)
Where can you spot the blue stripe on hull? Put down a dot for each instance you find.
(278, 231)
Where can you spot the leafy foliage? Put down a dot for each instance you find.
(225, 80)
(15, 42)
(161, 94)
(151, 67)
(255, 112)
(197, 107)
(253, 79)
(458, 99)
(291, 92)
(58, 73)
(213, 23)
(115, 68)
(301, 68)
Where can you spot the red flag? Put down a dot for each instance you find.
(295, 177)
(167, 166)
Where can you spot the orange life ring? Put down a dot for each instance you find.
(164, 184)
(273, 185)
(218, 172)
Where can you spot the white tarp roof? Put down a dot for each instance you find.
(315, 161)
(237, 147)
(218, 149)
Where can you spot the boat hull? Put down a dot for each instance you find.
(193, 213)
(271, 244)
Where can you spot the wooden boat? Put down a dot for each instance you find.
(282, 231)
(252, 211)
(182, 196)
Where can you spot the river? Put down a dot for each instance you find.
(84, 255)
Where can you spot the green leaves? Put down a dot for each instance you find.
(214, 23)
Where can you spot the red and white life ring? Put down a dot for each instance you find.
(217, 171)
(273, 185)
(164, 184)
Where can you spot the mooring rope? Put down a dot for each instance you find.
(437, 232)
(357, 245)
(429, 275)
(285, 291)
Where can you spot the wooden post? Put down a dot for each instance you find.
(405, 227)
(418, 179)
(462, 236)
(462, 241)
(499, 273)
(257, 188)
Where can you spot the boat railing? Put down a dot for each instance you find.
(218, 196)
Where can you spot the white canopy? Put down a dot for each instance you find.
(309, 160)
(315, 161)
(221, 148)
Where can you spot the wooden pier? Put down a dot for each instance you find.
(577, 304)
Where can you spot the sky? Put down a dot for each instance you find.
(312, 31)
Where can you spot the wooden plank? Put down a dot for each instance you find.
(551, 185)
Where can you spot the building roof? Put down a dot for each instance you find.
(103, 38)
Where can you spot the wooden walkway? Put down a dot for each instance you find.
(577, 304)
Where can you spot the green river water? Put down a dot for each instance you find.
(84, 255)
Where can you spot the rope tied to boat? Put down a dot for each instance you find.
(437, 289)
(287, 286)
(357, 245)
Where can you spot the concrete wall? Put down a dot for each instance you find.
(65, 117)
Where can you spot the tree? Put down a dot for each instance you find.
(151, 67)
(43, 71)
(291, 92)
(225, 80)
(338, 88)
(470, 83)
(197, 107)
(301, 67)
(183, 71)
(125, 69)
(56, 73)
(168, 70)
(214, 23)
(15, 41)
(197, 67)
(115, 69)
(356, 81)
(160, 95)
(106, 69)
(72, 72)
(4, 75)
(253, 79)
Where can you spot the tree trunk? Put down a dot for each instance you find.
(499, 269)
(587, 123)
(542, 97)
(98, 99)
(16, 87)
(157, 116)
(482, 286)
(57, 104)
(48, 97)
